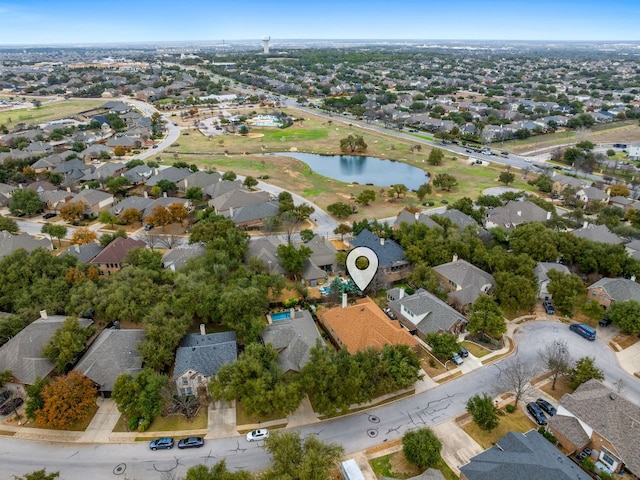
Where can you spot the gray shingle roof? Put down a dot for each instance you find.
(172, 174)
(178, 257)
(471, 280)
(258, 211)
(527, 456)
(389, 254)
(515, 213)
(462, 220)
(293, 339)
(429, 313)
(9, 243)
(139, 203)
(114, 352)
(542, 269)
(205, 353)
(22, 354)
(598, 233)
(238, 198)
(619, 289)
(84, 253)
(610, 415)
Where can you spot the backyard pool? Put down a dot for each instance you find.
(280, 316)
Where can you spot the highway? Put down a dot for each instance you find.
(354, 432)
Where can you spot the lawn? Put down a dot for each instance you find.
(395, 465)
(244, 418)
(517, 421)
(430, 364)
(47, 112)
(475, 349)
(562, 387)
(172, 423)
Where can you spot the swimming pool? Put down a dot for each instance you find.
(280, 316)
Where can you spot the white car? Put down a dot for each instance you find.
(256, 435)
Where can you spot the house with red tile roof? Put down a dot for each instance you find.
(363, 325)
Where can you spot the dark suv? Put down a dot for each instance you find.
(536, 413)
(4, 396)
(605, 322)
(546, 406)
(548, 307)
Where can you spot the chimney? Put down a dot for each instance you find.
(145, 194)
(344, 300)
(455, 257)
(548, 215)
(69, 189)
(230, 212)
(164, 194)
(417, 215)
(519, 213)
(585, 224)
(633, 278)
(202, 329)
(382, 241)
(43, 314)
(186, 184)
(400, 293)
(76, 247)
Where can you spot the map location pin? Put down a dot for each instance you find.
(368, 260)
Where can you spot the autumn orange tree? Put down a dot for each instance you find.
(131, 215)
(66, 400)
(83, 236)
(159, 216)
(178, 211)
(72, 211)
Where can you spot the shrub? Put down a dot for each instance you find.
(510, 408)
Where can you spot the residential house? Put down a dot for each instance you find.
(6, 193)
(127, 143)
(598, 233)
(84, 253)
(220, 188)
(634, 151)
(599, 418)
(633, 249)
(461, 220)
(10, 242)
(265, 249)
(73, 170)
(94, 201)
(252, 217)
(116, 106)
(560, 182)
(589, 195)
(199, 179)
(322, 261)
(22, 354)
(423, 313)
(410, 218)
(238, 198)
(49, 163)
(105, 171)
(293, 338)
(139, 174)
(172, 174)
(96, 150)
(164, 202)
(525, 456)
(606, 291)
(178, 257)
(541, 272)
(624, 203)
(463, 281)
(54, 199)
(363, 325)
(113, 353)
(200, 356)
(138, 203)
(112, 258)
(392, 265)
(41, 186)
(515, 213)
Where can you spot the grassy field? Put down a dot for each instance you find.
(517, 421)
(317, 135)
(47, 112)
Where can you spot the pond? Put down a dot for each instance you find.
(361, 169)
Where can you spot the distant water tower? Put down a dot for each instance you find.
(265, 44)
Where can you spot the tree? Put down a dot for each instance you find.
(353, 143)
(436, 156)
(483, 411)
(556, 359)
(292, 259)
(178, 212)
(106, 238)
(140, 397)
(423, 190)
(144, 258)
(298, 458)
(131, 216)
(167, 186)
(340, 209)
(619, 190)
(82, 236)
(626, 315)
(250, 182)
(55, 230)
(105, 216)
(485, 317)
(72, 212)
(506, 177)
(119, 151)
(193, 193)
(67, 399)
(445, 181)
(39, 475)
(342, 229)
(25, 201)
(229, 176)
(8, 224)
(516, 377)
(35, 402)
(307, 235)
(514, 292)
(159, 217)
(566, 290)
(366, 196)
(421, 447)
(443, 345)
(398, 189)
(583, 371)
(217, 472)
(67, 342)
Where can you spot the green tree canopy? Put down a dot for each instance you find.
(25, 201)
(217, 472)
(421, 447)
(626, 315)
(584, 370)
(8, 224)
(443, 345)
(67, 343)
(485, 317)
(436, 156)
(445, 181)
(140, 397)
(483, 411)
(566, 289)
(292, 259)
(353, 143)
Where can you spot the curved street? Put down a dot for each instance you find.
(434, 406)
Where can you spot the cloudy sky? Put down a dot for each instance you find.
(95, 21)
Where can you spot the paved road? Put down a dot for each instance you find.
(355, 432)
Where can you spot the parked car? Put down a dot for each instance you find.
(546, 406)
(583, 330)
(164, 442)
(48, 215)
(11, 405)
(148, 227)
(259, 434)
(536, 413)
(457, 359)
(464, 352)
(4, 396)
(605, 322)
(191, 442)
(389, 313)
(548, 307)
